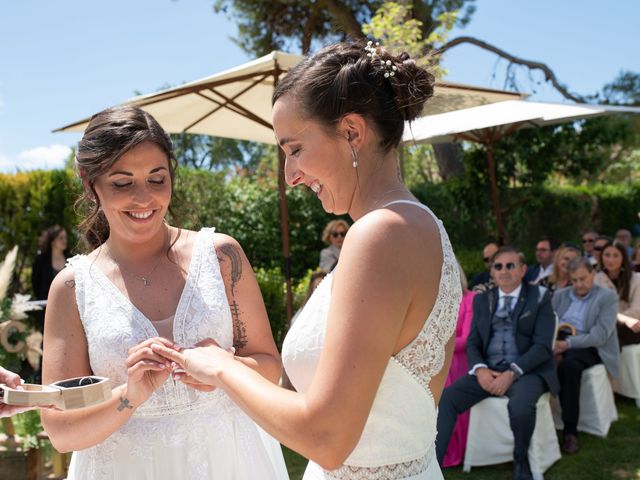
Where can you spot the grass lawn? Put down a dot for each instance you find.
(611, 458)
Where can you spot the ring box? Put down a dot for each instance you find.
(67, 394)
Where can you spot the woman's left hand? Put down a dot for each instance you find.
(201, 364)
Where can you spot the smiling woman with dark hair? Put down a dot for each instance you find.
(617, 273)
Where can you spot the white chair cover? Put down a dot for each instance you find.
(629, 382)
(597, 404)
(490, 440)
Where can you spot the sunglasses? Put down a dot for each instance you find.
(508, 266)
(588, 240)
(338, 234)
(598, 248)
(486, 259)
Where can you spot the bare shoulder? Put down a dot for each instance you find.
(403, 230)
(63, 287)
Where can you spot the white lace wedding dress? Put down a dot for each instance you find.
(178, 433)
(399, 435)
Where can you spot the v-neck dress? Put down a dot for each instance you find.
(178, 433)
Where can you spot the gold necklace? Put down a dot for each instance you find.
(143, 278)
(377, 202)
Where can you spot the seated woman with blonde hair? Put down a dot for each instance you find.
(333, 234)
(559, 277)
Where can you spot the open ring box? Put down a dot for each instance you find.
(67, 394)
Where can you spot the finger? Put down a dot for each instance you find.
(168, 353)
(193, 383)
(10, 379)
(149, 341)
(145, 354)
(143, 366)
(207, 342)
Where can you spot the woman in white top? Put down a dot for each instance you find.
(142, 280)
(369, 354)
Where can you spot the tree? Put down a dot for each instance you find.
(268, 25)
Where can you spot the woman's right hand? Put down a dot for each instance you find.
(146, 370)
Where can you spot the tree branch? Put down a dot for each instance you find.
(548, 73)
(344, 17)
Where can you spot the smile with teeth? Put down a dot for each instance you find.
(141, 215)
(315, 186)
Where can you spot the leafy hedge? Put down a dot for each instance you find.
(247, 209)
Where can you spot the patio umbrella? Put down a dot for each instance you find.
(487, 124)
(236, 103)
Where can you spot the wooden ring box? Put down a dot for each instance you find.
(67, 394)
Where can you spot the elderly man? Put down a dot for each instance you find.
(591, 310)
(588, 242)
(623, 237)
(509, 353)
(545, 251)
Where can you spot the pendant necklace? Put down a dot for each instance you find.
(145, 279)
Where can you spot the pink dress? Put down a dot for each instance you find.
(455, 451)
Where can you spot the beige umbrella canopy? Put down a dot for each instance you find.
(236, 104)
(487, 124)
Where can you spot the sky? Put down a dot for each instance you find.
(63, 60)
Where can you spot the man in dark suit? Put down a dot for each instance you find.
(509, 350)
(591, 312)
(545, 251)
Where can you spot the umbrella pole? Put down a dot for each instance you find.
(495, 199)
(284, 233)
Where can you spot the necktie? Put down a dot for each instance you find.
(505, 311)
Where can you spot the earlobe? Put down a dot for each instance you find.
(355, 127)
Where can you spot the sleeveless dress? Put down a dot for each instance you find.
(398, 438)
(178, 433)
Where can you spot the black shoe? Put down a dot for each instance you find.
(521, 470)
(570, 443)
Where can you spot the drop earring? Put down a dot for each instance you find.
(354, 157)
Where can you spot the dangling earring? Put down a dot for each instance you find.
(354, 157)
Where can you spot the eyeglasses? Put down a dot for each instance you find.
(486, 259)
(338, 234)
(588, 240)
(508, 266)
(598, 248)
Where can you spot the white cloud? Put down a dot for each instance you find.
(49, 157)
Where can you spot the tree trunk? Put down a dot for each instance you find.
(449, 160)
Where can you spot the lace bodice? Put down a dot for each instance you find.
(397, 441)
(178, 429)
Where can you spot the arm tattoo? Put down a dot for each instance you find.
(70, 283)
(239, 328)
(124, 403)
(236, 265)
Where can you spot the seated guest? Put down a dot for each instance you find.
(623, 237)
(458, 368)
(333, 235)
(559, 277)
(545, 251)
(591, 311)
(482, 281)
(588, 242)
(599, 245)
(509, 352)
(635, 258)
(616, 273)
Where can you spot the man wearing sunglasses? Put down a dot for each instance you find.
(588, 243)
(509, 353)
(481, 282)
(545, 251)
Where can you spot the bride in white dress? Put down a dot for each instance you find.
(369, 353)
(145, 280)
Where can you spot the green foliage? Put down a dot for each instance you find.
(394, 26)
(27, 426)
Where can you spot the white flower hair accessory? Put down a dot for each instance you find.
(387, 66)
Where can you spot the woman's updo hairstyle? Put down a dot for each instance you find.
(342, 78)
(110, 134)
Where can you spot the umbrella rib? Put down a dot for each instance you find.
(177, 92)
(229, 103)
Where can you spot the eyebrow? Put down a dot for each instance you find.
(129, 174)
(284, 141)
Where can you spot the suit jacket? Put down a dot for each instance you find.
(533, 328)
(599, 324)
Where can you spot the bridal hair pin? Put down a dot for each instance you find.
(388, 66)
